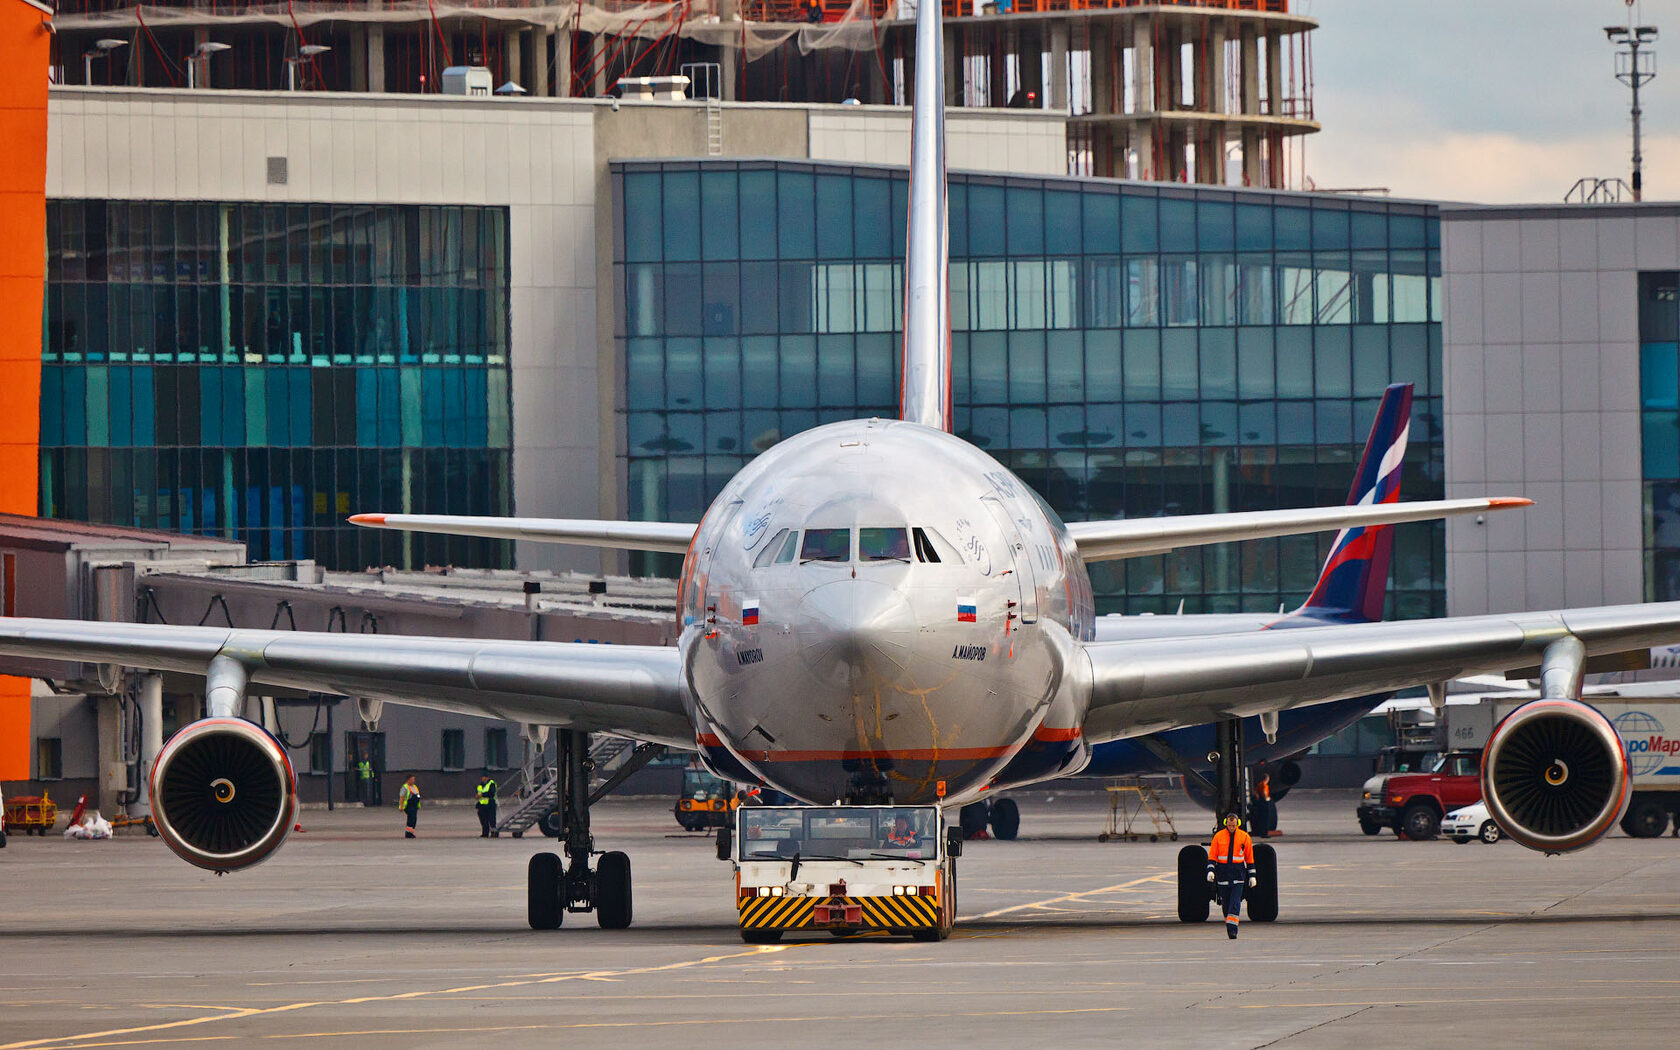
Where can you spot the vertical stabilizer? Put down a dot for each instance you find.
(1354, 580)
(926, 394)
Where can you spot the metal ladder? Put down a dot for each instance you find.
(705, 81)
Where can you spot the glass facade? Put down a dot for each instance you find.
(1127, 349)
(1659, 407)
(260, 371)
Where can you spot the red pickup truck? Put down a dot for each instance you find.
(1414, 803)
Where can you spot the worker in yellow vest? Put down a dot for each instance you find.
(408, 800)
(1231, 867)
(486, 805)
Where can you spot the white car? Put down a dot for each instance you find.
(1471, 822)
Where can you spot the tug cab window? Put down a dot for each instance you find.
(883, 545)
(826, 545)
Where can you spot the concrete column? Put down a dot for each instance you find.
(512, 67)
(540, 39)
(151, 733)
(954, 66)
(1142, 142)
(358, 58)
(729, 58)
(562, 43)
(1029, 57)
(1059, 34)
(1253, 174)
(1249, 45)
(376, 59)
(1105, 99)
(598, 82)
(1143, 66)
(1215, 74)
(1274, 74)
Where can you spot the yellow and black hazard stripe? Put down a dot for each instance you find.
(778, 913)
(899, 912)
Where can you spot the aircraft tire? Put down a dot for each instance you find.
(1645, 819)
(1006, 819)
(974, 818)
(612, 891)
(549, 824)
(542, 892)
(1194, 896)
(1263, 897)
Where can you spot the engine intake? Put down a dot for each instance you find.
(223, 794)
(1555, 775)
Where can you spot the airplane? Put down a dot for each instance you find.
(877, 610)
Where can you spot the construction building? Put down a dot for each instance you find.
(1211, 91)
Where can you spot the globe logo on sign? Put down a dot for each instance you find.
(1637, 728)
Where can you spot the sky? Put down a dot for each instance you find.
(1494, 101)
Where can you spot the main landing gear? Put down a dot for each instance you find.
(554, 889)
(1230, 792)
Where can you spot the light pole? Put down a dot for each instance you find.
(202, 53)
(1635, 66)
(101, 48)
(306, 53)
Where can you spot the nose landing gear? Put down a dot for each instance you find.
(553, 889)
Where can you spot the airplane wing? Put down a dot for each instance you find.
(1135, 537)
(1145, 685)
(665, 536)
(633, 690)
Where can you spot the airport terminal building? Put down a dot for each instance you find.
(267, 311)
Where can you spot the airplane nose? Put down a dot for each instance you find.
(853, 628)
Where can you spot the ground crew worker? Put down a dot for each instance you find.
(901, 836)
(1231, 867)
(408, 800)
(364, 769)
(486, 805)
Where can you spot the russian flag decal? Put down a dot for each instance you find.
(749, 612)
(965, 610)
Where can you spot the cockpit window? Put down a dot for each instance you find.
(790, 547)
(883, 545)
(768, 552)
(925, 550)
(826, 545)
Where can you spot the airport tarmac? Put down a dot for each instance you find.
(353, 936)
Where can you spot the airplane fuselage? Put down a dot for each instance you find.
(878, 609)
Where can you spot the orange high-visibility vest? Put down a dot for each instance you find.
(1229, 848)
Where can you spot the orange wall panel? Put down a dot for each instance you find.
(24, 56)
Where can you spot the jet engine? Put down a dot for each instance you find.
(223, 794)
(1555, 775)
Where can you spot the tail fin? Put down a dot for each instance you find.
(1354, 579)
(926, 393)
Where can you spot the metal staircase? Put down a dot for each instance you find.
(538, 791)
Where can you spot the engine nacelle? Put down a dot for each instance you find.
(224, 795)
(1555, 775)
